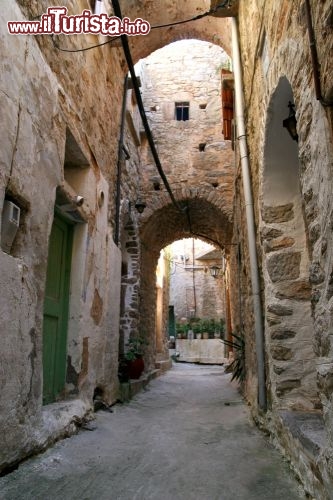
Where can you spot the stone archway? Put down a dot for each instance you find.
(160, 228)
(212, 29)
(289, 326)
(197, 161)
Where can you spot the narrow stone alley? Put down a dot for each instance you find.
(166, 182)
(188, 436)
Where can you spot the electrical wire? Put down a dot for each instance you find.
(222, 5)
(55, 44)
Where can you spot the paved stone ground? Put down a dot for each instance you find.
(187, 437)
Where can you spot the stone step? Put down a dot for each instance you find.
(127, 390)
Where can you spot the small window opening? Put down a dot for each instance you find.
(182, 111)
(203, 106)
(202, 146)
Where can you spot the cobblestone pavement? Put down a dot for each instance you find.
(187, 437)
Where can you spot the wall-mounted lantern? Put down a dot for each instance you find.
(290, 122)
(140, 205)
(214, 271)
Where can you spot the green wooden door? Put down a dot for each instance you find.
(56, 310)
(172, 322)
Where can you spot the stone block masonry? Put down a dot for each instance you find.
(193, 151)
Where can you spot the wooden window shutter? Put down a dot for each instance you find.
(227, 104)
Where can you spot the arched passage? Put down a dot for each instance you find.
(285, 265)
(160, 13)
(165, 225)
(201, 178)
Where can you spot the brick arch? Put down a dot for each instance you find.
(210, 29)
(207, 216)
(164, 224)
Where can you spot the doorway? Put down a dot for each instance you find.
(286, 259)
(56, 309)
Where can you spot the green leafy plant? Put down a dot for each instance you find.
(182, 328)
(135, 348)
(204, 324)
(237, 366)
(200, 325)
(196, 327)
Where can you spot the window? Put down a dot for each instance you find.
(227, 103)
(182, 111)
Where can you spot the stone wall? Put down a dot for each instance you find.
(292, 185)
(204, 351)
(162, 306)
(57, 131)
(193, 152)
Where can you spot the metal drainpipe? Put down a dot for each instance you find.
(99, 7)
(241, 136)
(119, 161)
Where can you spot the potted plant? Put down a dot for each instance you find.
(205, 328)
(134, 356)
(197, 330)
(182, 329)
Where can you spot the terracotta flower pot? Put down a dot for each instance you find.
(135, 368)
